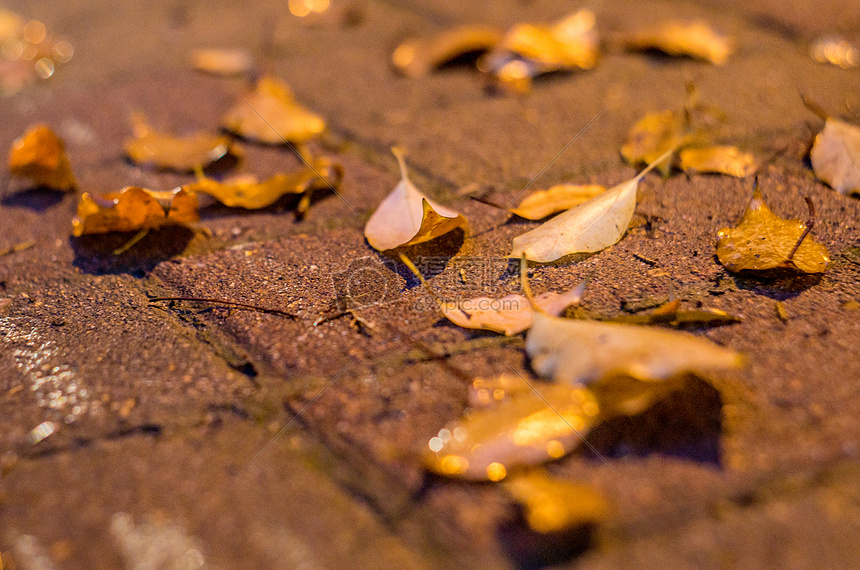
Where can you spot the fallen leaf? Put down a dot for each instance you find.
(835, 156)
(675, 317)
(835, 51)
(163, 150)
(417, 57)
(762, 241)
(407, 217)
(551, 504)
(247, 192)
(133, 208)
(222, 62)
(509, 315)
(592, 226)
(269, 113)
(578, 352)
(654, 135)
(694, 39)
(719, 159)
(527, 429)
(40, 155)
(542, 203)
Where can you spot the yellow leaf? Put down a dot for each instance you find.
(222, 62)
(509, 315)
(652, 136)
(133, 208)
(694, 39)
(407, 217)
(542, 203)
(551, 504)
(417, 57)
(578, 352)
(835, 156)
(40, 155)
(763, 241)
(592, 226)
(528, 429)
(163, 150)
(719, 159)
(248, 192)
(270, 114)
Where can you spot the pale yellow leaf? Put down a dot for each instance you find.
(542, 203)
(835, 156)
(719, 159)
(417, 57)
(652, 136)
(694, 39)
(222, 62)
(164, 150)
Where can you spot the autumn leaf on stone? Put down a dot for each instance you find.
(247, 192)
(417, 57)
(577, 352)
(551, 504)
(763, 241)
(269, 113)
(222, 62)
(407, 217)
(835, 156)
(133, 208)
(40, 156)
(723, 159)
(509, 315)
(592, 226)
(542, 203)
(528, 429)
(163, 150)
(694, 39)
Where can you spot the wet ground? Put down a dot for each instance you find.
(161, 412)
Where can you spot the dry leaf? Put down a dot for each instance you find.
(762, 241)
(835, 51)
(222, 62)
(592, 226)
(553, 505)
(578, 352)
(270, 114)
(407, 217)
(509, 315)
(694, 39)
(527, 429)
(40, 155)
(670, 314)
(542, 203)
(719, 159)
(653, 135)
(835, 156)
(417, 57)
(186, 153)
(133, 208)
(247, 192)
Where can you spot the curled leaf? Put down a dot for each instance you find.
(133, 208)
(835, 156)
(579, 352)
(551, 504)
(654, 135)
(163, 150)
(270, 114)
(417, 57)
(835, 51)
(509, 315)
(762, 241)
(407, 217)
(719, 159)
(694, 39)
(528, 429)
(592, 226)
(542, 203)
(222, 62)
(248, 192)
(40, 155)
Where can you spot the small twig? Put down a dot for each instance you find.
(482, 200)
(17, 247)
(130, 243)
(224, 302)
(806, 230)
(645, 260)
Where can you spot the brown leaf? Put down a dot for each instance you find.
(542, 203)
(762, 241)
(185, 153)
(40, 155)
(835, 156)
(133, 208)
(694, 39)
(269, 113)
(417, 57)
(720, 160)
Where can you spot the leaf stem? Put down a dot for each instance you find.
(225, 302)
(806, 229)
